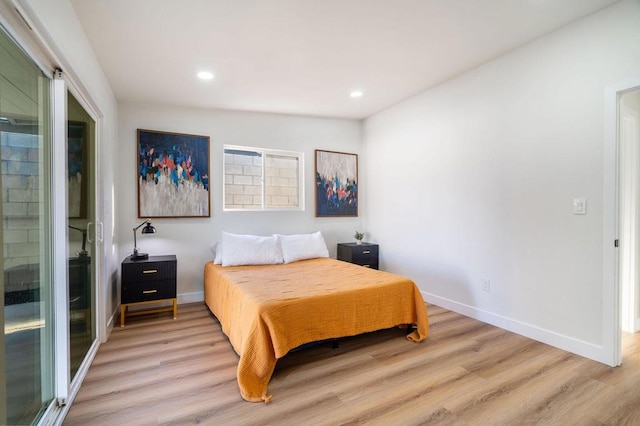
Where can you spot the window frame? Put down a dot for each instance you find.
(264, 153)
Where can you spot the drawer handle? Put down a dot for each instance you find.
(149, 291)
(367, 266)
(366, 251)
(150, 271)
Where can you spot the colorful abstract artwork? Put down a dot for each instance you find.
(173, 175)
(336, 184)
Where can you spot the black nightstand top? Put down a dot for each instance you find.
(358, 245)
(165, 258)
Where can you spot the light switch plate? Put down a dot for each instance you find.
(579, 206)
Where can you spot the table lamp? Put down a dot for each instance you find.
(148, 229)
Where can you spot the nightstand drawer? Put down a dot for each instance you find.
(148, 290)
(368, 263)
(149, 271)
(364, 252)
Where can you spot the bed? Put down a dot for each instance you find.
(268, 310)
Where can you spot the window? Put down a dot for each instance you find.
(263, 179)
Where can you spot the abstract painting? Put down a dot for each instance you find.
(336, 184)
(173, 175)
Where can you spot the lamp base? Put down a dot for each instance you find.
(139, 256)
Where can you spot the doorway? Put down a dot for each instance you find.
(629, 163)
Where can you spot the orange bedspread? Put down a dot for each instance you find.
(268, 310)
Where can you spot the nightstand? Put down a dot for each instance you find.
(365, 254)
(146, 281)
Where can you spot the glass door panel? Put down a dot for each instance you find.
(26, 346)
(81, 225)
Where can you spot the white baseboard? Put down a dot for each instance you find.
(570, 344)
(197, 296)
(112, 321)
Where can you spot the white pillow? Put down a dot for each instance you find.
(302, 246)
(250, 250)
(216, 249)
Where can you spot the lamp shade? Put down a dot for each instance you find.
(149, 229)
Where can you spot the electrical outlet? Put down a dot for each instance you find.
(486, 285)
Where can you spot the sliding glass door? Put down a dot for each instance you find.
(81, 227)
(26, 346)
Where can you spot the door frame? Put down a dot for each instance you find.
(630, 207)
(98, 248)
(611, 289)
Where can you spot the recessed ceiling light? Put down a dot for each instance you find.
(356, 94)
(205, 75)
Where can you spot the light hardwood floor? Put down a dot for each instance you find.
(160, 371)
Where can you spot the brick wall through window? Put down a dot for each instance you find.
(261, 179)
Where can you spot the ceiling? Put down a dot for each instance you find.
(306, 56)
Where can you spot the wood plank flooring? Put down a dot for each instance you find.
(160, 371)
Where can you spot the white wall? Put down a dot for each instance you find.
(65, 35)
(189, 238)
(474, 179)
